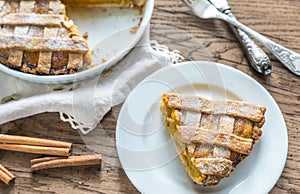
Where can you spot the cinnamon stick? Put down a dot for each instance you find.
(6, 176)
(36, 149)
(45, 159)
(54, 162)
(34, 145)
(13, 139)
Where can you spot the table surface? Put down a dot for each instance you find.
(278, 21)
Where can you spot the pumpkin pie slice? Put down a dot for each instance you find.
(211, 137)
(37, 37)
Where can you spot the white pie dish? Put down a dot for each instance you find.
(109, 38)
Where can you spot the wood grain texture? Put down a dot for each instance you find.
(175, 26)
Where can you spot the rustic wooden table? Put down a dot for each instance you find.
(175, 26)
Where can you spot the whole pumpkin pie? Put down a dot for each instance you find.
(37, 36)
(211, 137)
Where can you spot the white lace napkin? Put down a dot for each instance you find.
(84, 104)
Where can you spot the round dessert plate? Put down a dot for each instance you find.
(109, 36)
(146, 150)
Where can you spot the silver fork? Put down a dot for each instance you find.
(258, 59)
(206, 9)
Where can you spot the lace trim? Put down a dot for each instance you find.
(75, 124)
(175, 57)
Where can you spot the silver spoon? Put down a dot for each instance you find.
(206, 9)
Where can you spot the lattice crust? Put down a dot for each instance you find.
(37, 37)
(212, 137)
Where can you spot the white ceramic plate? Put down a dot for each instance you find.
(147, 153)
(109, 38)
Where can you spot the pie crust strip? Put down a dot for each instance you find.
(214, 166)
(15, 58)
(44, 64)
(75, 44)
(228, 107)
(229, 141)
(32, 19)
(75, 61)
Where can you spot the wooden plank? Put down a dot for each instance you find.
(175, 26)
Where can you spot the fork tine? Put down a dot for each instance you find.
(189, 2)
(201, 8)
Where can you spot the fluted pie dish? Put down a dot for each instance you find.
(39, 41)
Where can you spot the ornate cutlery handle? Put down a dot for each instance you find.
(287, 57)
(256, 56)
